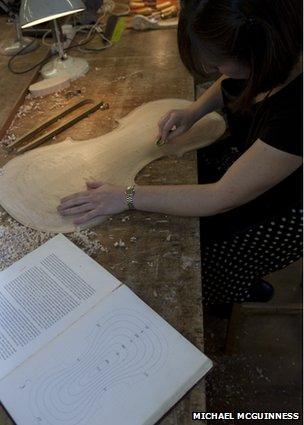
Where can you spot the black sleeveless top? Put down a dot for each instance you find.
(277, 121)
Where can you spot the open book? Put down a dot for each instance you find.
(77, 347)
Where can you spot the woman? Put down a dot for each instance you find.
(249, 196)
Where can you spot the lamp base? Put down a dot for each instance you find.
(23, 46)
(74, 67)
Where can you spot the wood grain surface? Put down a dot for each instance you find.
(161, 258)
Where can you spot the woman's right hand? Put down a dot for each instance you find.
(174, 123)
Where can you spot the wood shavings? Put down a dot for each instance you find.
(170, 254)
(127, 218)
(72, 93)
(59, 100)
(85, 239)
(137, 74)
(186, 262)
(33, 108)
(7, 139)
(2, 231)
(120, 244)
(120, 78)
(171, 297)
(17, 240)
(25, 109)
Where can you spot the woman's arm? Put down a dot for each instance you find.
(256, 171)
(178, 121)
(209, 101)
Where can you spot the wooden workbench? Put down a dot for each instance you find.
(162, 265)
(13, 87)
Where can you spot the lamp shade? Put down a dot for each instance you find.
(33, 12)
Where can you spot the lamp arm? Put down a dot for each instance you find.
(6, 7)
(62, 55)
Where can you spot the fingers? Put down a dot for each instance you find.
(77, 210)
(86, 217)
(74, 195)
(167, 127)
(162, 122)
(94, 184)
(74, 201)
(164, 119)
(90, 185)
(175, 133)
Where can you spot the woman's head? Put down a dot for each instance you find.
(258, 40)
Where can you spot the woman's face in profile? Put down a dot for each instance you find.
(230, 68)
(213, 61)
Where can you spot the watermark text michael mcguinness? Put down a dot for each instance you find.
(245, 415)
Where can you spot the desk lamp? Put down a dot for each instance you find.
(34, 12)
(21, 44)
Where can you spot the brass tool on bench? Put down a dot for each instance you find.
(38, 141)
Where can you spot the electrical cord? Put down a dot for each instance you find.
(19, 53)
(42, 62)
(94, 29)
(99, 31)
(97, 49)
(44, 37)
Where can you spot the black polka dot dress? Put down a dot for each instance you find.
(231, 266)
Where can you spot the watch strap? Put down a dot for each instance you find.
(129, 193)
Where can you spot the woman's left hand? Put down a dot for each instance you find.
(100, 199)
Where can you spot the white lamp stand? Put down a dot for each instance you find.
(74, 67)
(63, 65)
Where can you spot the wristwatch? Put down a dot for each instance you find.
(130, 192)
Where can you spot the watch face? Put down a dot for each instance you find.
(130, 190)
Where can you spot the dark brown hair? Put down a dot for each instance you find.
(265, 35)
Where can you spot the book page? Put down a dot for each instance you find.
(42, 294)
(121, 363)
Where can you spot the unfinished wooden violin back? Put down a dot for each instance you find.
(32, 184)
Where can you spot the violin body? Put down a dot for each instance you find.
(32, 184)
